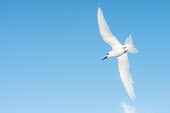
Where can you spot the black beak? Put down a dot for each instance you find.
(104, 58)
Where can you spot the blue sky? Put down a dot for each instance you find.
(51, 53)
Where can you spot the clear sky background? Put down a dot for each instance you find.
(51, 53)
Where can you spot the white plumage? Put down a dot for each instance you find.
(120, 51)
(105, 31)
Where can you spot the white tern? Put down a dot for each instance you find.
(120, 51)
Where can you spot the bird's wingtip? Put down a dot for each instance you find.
(99, 9)
(133, 97)
(99, 12)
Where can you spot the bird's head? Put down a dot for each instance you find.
(108, 55)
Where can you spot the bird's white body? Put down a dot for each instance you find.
(117, 52)
(120, 51)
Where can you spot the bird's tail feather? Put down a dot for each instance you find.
(130, 46)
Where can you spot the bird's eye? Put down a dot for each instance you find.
(107, 53)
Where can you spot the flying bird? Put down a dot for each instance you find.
(120, 51)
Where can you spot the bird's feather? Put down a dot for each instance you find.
(105, 31)
(125, 75)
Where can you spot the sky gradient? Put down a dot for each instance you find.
(51, 53)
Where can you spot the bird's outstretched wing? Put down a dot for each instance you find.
(125, 75)
(105, 31)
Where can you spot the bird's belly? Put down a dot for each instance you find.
(118, 52)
